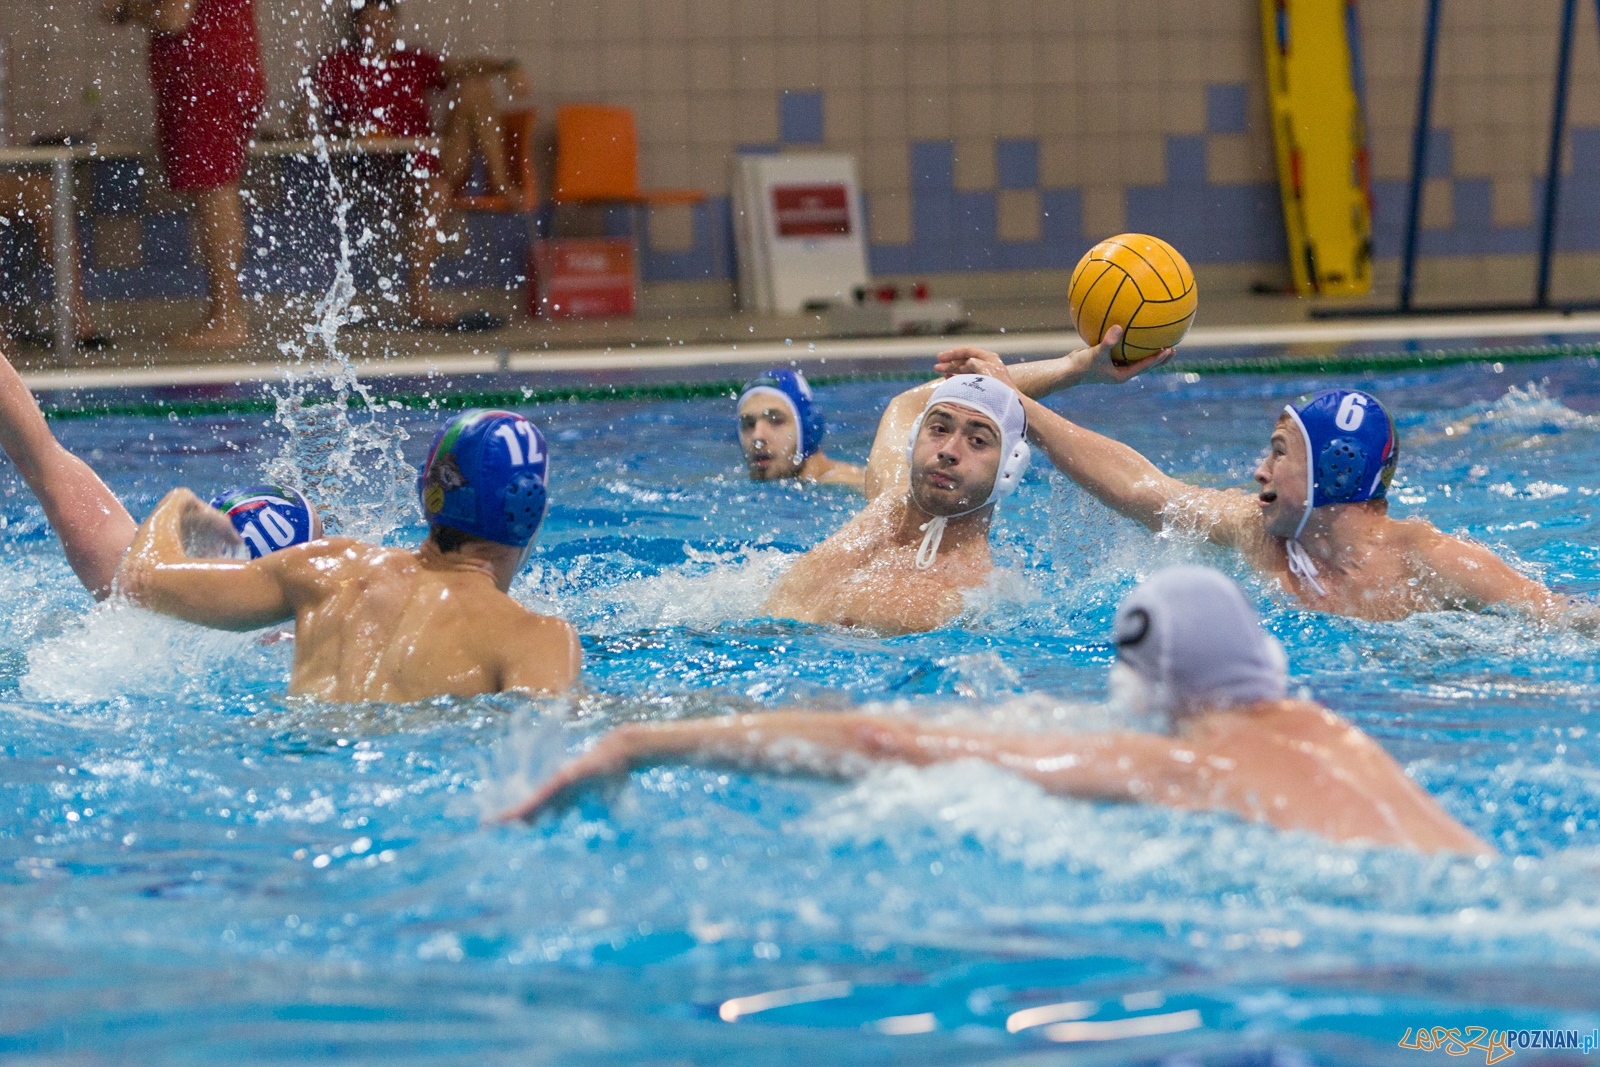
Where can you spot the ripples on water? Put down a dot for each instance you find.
(177, 832)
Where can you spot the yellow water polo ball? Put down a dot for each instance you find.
(1137, 282)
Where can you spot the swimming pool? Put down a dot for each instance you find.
(198, 868)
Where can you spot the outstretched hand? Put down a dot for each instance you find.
(607, 759)
(1089, 365)
(1099, 368)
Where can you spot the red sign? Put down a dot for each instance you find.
(812, 210)
(581, 278)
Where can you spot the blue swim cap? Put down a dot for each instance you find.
(485, 476)
(791, 387)
(269, 517)
(1351, 448)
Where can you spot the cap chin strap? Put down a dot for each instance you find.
(1300, 563)
(933, 529)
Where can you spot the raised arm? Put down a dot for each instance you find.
(159, 574)
(1041, 377)
(1103, 766)
(887, 468)
(1113, 473)
(95, 529)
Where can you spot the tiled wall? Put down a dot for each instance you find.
(993, 135)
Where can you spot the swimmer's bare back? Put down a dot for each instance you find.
(371, 623)
(1290, 764)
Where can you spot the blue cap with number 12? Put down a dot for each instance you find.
(485, 476)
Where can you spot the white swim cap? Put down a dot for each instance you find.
(1191, 635)
(997, 400)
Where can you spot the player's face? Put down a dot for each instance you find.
(769, 437)
(376, 29)
(955, 460)
(1282, 477)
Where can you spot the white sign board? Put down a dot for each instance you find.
(799, 230)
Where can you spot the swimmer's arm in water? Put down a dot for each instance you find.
(158, 574)
(824, 471)
(541, 655)
(1126, 767)
(1469, 576)
(887, 469)
(1039, 378)
(95, 529)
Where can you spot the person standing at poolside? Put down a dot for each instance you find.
(205, 68)
(1319, 524)
(945, 453)
(374, 623)
(781, 430)
(378, 86)
(1190, 648)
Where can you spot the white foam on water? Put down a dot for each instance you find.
(116, 650)
(708, 589)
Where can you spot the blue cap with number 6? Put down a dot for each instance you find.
(485, 476)
(270, 517)
(1351, 448)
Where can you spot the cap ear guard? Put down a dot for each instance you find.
(1340, 468)
(1011, 471)
(524, 500)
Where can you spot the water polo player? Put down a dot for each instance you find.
(944, 455)
(94, 527)
(380, 623)
(1190, 649)
(781, 429)
(1319, 523)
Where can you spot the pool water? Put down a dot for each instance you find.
(194, 867)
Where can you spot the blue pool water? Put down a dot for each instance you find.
(194, 867)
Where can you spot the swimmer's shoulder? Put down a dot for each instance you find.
(327, 558)
(537, 652)
(824, 471)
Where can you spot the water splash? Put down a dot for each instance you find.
(339, 448)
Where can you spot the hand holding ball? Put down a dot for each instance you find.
(1137, 282)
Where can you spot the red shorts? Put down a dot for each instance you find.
(203, 135)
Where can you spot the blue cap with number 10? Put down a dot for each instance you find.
(270, 517)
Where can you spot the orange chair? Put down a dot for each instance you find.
(597, 160)
(518, 128)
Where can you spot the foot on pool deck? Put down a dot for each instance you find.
(213, 333)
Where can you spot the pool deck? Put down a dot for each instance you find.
(590, 358)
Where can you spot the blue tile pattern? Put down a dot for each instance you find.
(951, 230)
(1227, 108)
(1017, 163)
(800, 117)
